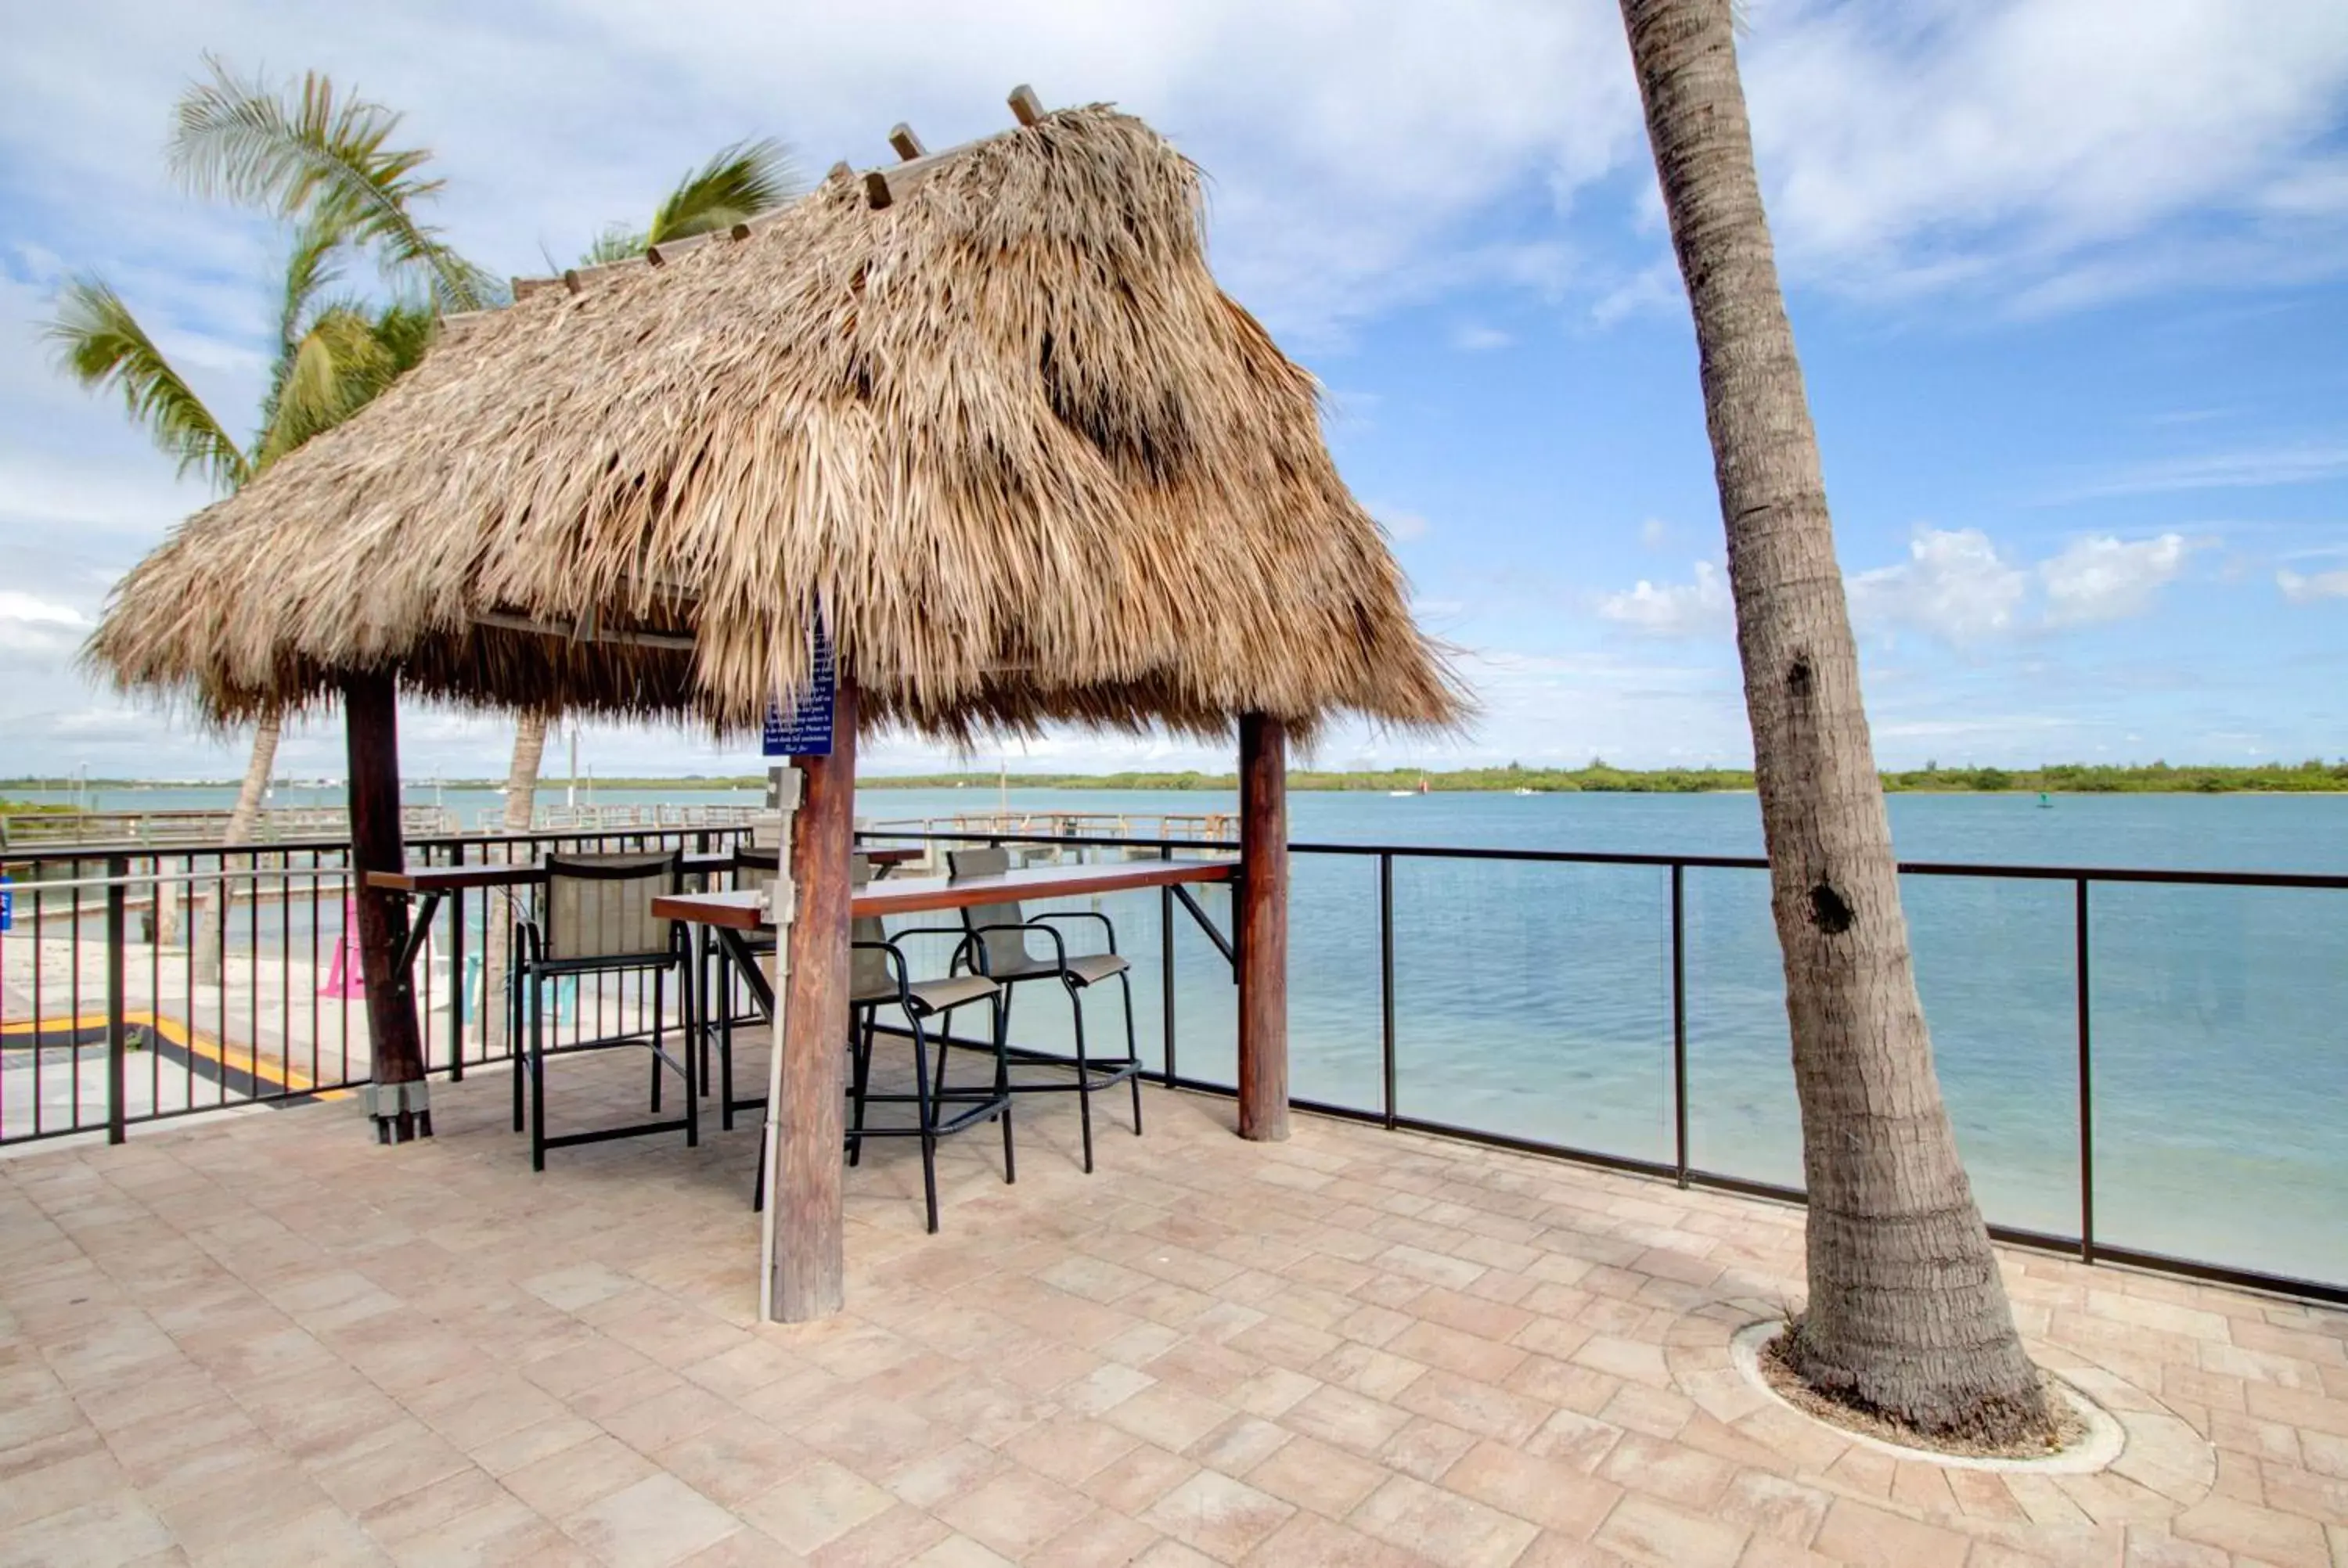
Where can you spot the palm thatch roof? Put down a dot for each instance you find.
(987, 414)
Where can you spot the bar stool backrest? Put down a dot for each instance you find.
(601, 906)
(1007, 950)
(868, 968)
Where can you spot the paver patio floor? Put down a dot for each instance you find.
(263, 1340)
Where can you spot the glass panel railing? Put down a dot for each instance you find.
(1337, 1053)
(1743, 1119)
(1994, 967)
(2220, 1050)
(1533, 1001)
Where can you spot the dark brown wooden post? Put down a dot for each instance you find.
(809, 1263)
(371, 735)
(1264, 927)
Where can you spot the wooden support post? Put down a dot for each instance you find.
(371, 735)
(1264, 927)
(809, 1262)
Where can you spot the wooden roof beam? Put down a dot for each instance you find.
(582, 633)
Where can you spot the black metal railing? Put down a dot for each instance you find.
(1398, 1015)
(142, 984)
(2316, 1184)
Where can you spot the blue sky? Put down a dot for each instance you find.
(2070, 279)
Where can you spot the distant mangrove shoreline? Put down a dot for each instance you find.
(2314, 777)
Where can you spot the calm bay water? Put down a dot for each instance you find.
(1536, 999)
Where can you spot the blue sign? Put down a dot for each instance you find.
(805, 730)
(7, 904)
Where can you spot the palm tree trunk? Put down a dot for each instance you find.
(212, 928)
(1907, 1313)
(521, 801)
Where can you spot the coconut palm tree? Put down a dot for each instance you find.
(1907, 1314)
(334, 355)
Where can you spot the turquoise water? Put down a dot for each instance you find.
(1535, 999)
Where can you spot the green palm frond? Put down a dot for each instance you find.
(740, 182)
(308, 153)
(616, 244)
(344, 362)
(100, 343)
(310, 269)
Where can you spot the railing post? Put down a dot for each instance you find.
(1679, 1023)
(1386, 980)
(457, 973)
(2086, 1092)
(1166, 972)
(117, 869)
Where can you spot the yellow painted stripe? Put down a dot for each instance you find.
(285, 1076)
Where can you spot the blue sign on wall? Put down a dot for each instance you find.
(805, 730)
(7, 904)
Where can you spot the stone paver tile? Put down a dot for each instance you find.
(1104, 1536)
(1172, 1554)
(1442, 1526)
(85, 1477)
(1870, 1537)
(1015, 1511)
(960, 1551)
(1239, 1443)
(1634, 1360)
(651, 1524)
(932, 1478)
(429, 1509)
(1311, 1474)
(1216, 1515)
(1469, 1355)
(1648, 1530)
(2256, 1533)
(1774, 1507)
(1132, 1483)
(1553, 1550)
(500, 1532)
(1425, 1448)
(1348, 1419)
(1309, 1541)
(2150, 1546)
(416, 1458)
(1549, 1492)
(1071, 1448)
(1170, 1417)
(1580, 1440)
(102, 1533)
(1689, 1477)
(1477, 1406)
(567, 1480)
(216, 1509)
(884, 1540)
(502, 1456)
(816, 1504)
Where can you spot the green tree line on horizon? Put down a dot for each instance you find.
(2313, 776)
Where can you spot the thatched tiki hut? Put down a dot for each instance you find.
(985, 413)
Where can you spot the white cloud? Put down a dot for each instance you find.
(1471, 338)
(1403, 526)
(1698, 608)
(2249, 469)
(1953, 586)
(2001, 142)
(2309, 587)
(2104, 578)
(1652, 532)
(30, 625)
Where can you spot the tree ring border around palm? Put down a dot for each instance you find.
(2103, 1440)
